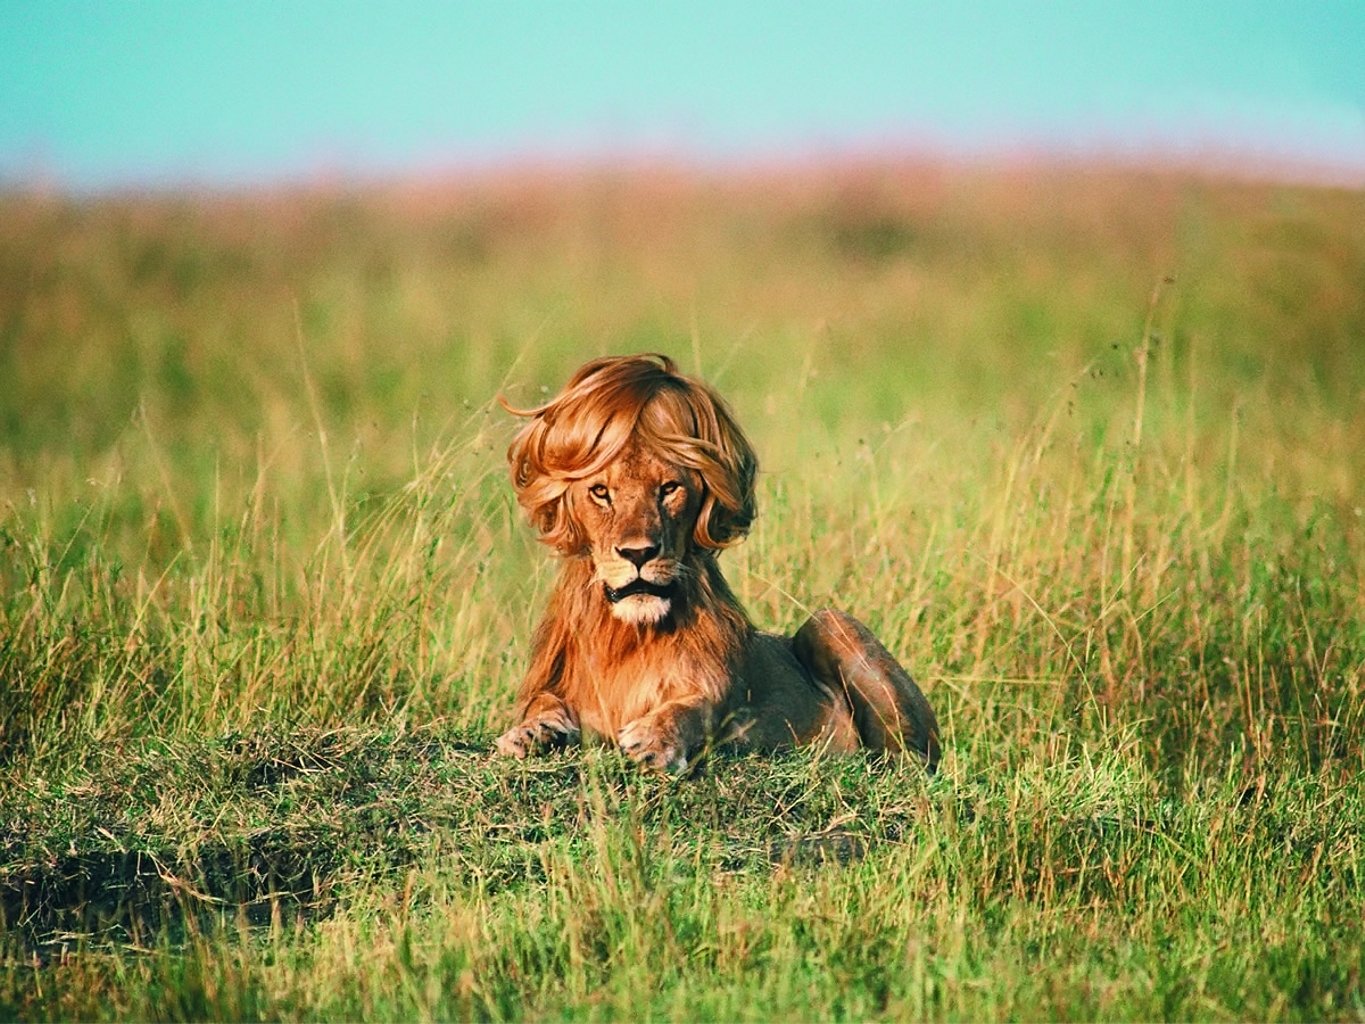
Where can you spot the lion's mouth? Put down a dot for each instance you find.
(639, 585)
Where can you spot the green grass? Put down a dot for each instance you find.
(265, 598)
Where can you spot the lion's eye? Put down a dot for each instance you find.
(669, 488)
(600, 492)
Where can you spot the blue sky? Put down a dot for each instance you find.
(98, 94)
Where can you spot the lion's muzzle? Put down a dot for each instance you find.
(639, 585)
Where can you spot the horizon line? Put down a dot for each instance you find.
(1223, 159)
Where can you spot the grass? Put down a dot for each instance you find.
(1083, 446)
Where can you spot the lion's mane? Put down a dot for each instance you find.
(606, 404)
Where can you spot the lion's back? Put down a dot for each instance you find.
(778, 703)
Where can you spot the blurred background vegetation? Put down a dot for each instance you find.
(1082, 443)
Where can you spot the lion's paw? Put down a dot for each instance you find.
(642, 740)
(536, 735)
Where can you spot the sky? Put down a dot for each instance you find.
(137, 93)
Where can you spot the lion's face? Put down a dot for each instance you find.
(641, 469)
(638, 514)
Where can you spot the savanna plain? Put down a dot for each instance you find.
(1083, 445)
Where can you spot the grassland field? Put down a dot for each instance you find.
(1084, 445)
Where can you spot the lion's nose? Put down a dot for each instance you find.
(638, 556)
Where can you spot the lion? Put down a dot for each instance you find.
(639, 476)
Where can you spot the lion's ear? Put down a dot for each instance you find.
(730, 505)
(543, 497)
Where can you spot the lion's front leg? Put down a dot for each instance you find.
(668, 738)
(548, 722)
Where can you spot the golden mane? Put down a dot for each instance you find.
(610, 402)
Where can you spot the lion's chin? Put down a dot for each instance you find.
(642, 609)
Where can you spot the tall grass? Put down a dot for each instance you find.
(1083, 447)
